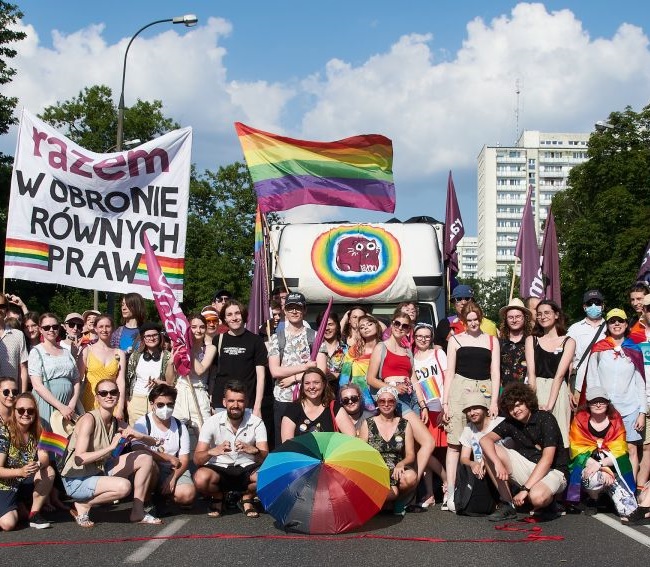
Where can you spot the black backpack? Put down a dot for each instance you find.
(473, 496)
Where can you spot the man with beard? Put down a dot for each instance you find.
(241, 355)
(232, 445)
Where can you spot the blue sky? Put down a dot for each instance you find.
(438, 77)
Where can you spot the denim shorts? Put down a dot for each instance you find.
(81, 487)
(631, 434)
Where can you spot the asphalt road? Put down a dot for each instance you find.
(430, 538)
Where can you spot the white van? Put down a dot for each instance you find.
(376, 265)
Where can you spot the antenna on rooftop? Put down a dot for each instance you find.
(517, 92)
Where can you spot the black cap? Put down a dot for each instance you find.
(295, 298)
(221, 293)
(592, 294)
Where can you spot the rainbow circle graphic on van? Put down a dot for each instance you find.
(356, 261)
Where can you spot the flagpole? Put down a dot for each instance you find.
(512, 283)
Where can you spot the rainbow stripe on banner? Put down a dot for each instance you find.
(172, 268)
(354, 172)
(259, 235)
(27, 254)
(430, 389)
(53, 443)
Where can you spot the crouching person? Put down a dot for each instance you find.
(475, 494)
(169, 441)
(538, 463)
(91, 474)
(232, 445)
(25, 475)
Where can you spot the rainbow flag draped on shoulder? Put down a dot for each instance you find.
(354, 172)
(582, 444)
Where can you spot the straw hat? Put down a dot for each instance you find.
(515, 303)
(59, 425)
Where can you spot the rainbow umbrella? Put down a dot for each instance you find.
(323, 483)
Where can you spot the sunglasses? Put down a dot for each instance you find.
(51, 327)
(594, 302)
(222, 299)
(457, 299)
(105, 393)
(402, 326)
(75, 325)
(28, 411)
(161, 405)
(615, 320)
(389, 402)
(598, 403)
(351, 400)
(7, 392)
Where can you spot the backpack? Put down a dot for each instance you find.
(282, 340)
(473, 496)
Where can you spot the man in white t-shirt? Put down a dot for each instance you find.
(232, 445)
(478, 425)
(170, 450)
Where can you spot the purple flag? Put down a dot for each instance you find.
(551, 261)
(454, 229)
(258, 305)
(644, 270)
(530, 281)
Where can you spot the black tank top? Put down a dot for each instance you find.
(474, 362)
(546, 362)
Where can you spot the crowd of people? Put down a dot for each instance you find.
(529, 415)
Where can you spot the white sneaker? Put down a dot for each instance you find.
(451, 506)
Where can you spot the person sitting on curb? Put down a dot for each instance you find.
(537, 464)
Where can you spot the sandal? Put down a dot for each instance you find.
(638, 516)
(83, 520)
(215, 508)
(148, 519)
(248, 512)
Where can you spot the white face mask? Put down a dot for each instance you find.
(164, 413)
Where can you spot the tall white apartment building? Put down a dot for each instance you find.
(539, 159)
(467, 251)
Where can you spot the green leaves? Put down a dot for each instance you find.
(603, 218)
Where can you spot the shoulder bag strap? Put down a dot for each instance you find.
(593, 340)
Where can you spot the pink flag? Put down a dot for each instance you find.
(551, 261)
(530, 281)
(318, 339)
(454, 229)
(174, 321)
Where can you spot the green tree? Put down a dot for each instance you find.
(90, 119)
(220, 235)
(603, 218)
(491, 294)
(9, 15)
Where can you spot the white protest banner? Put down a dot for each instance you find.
(77, 218)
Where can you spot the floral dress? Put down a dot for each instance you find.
(392, 451)
(17, 457)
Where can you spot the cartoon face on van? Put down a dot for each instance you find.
(356, 261)
(357, 254)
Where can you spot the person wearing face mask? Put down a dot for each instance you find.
(586, 333)
(171, 451)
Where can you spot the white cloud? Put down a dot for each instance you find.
(438, 109)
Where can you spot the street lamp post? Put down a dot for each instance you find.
(188, 20)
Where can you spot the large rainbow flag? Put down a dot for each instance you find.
(582, 444)
(354, 172)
